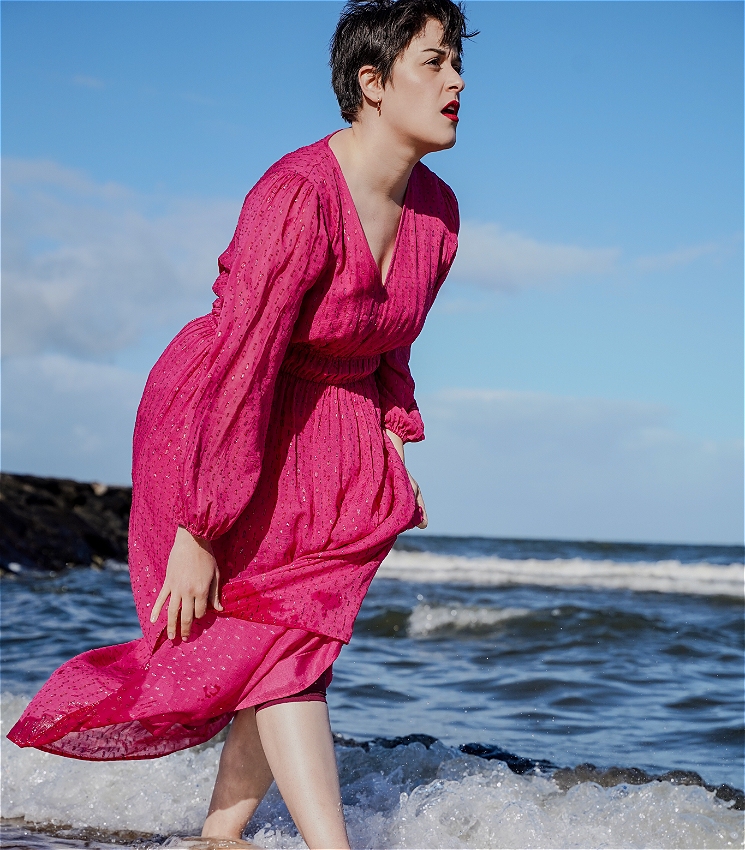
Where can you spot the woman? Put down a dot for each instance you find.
(268, 477)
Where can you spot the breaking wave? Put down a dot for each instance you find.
(415, 794)
(659, 576)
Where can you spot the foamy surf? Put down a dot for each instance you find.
(659, 576)
(406, 796)
(426, 620)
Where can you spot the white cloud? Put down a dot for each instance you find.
(197, 99)
(87, 82)
(44, 176)
(68, 417)
(493, 257)
(535, 465)
(686, 255)
(497, 258)
(88, 268)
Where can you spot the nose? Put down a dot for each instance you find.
(457, 84)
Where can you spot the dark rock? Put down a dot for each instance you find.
(53, 523)
(386, 743)
(517, 764)
(404, 741)
(728, 793)
(566, 777)
(682, 777)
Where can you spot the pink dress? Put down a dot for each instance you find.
(261, 427)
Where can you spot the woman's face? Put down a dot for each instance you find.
(420, 100)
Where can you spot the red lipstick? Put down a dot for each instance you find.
(451, 110)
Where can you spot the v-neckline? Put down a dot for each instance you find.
(399, 230)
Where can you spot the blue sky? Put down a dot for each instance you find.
(581, 372)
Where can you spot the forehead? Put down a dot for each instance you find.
(430, 36)
(427, 41)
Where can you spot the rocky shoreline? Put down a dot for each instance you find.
(53, 523)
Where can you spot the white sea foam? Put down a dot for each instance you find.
(662, 576)
(427, 619)
(408, 797)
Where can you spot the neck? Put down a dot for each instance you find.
(375, 159)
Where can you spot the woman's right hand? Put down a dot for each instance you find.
(192, 582)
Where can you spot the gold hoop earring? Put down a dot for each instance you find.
(377, 106)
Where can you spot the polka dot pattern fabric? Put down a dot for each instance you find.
(262, 428)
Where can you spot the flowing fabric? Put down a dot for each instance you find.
(261, 428)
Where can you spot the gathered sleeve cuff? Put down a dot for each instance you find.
(398, 406)
(279, 251)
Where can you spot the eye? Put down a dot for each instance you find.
(435, 60)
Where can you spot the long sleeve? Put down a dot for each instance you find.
(279, 250)
(398, 406)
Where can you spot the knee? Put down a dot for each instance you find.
(243, 736)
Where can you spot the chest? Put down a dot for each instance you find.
(379, 222)
(354, 309)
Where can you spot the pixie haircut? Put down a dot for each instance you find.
(376, 32)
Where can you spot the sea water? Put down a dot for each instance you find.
(549, 655)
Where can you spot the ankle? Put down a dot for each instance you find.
(213, 842)
(221, 829)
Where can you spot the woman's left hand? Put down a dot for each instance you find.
(419, 500)
(399, 446)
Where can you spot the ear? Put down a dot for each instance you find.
(369, 80)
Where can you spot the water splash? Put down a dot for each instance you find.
(414, 795)
(425, 620)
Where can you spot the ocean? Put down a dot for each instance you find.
(496, 693)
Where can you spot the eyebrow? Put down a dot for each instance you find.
(437, 50)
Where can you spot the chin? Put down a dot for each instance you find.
(450, 143)
(442, 143)
(438, 140)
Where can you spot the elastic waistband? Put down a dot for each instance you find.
(307, 363)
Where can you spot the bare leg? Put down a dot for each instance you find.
(242, 781)
(297, 741)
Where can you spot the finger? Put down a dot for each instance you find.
(200, 605)
(187, 616)
(215, 592)
(420, 502)
(162, 596)
(173, 609)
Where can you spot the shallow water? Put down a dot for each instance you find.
(408, 796)
(565, 652)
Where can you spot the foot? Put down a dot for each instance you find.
(198, 842)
